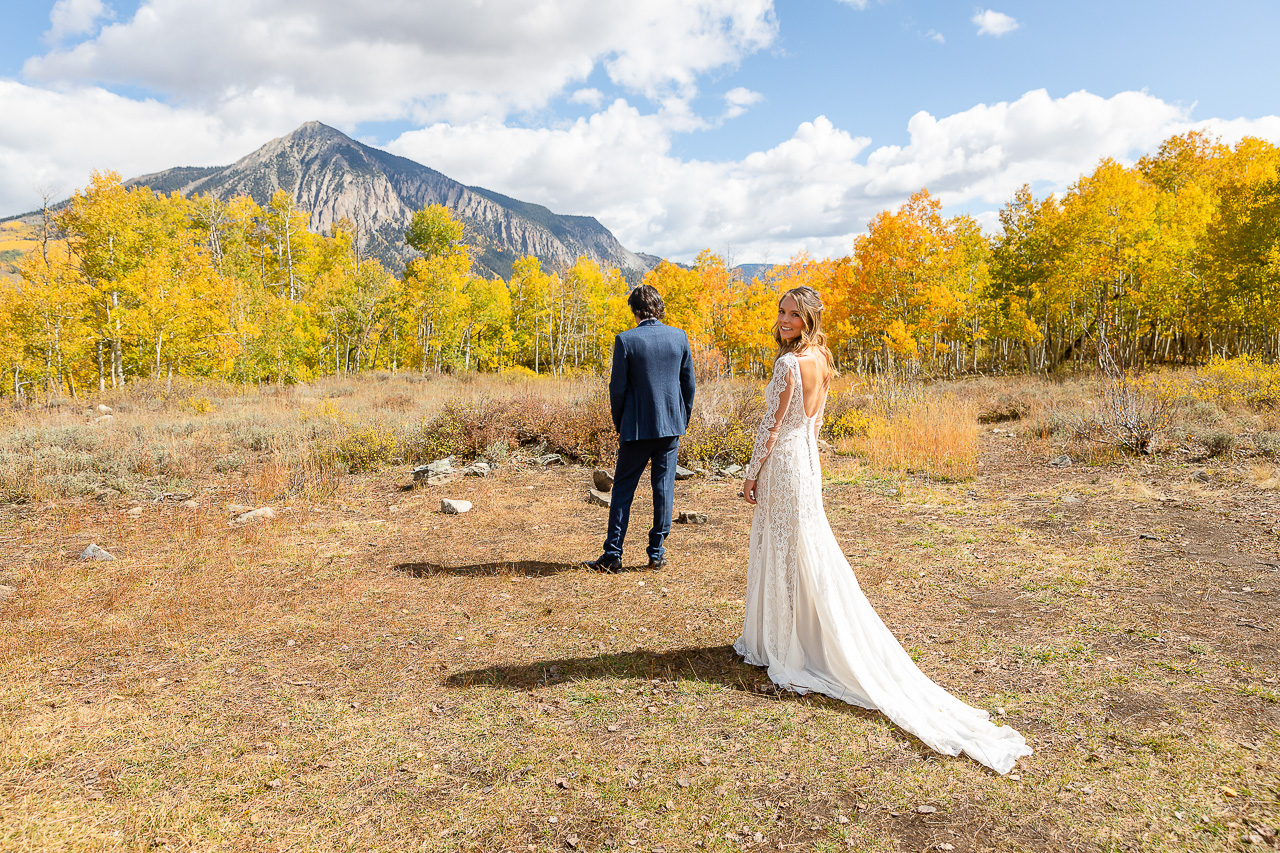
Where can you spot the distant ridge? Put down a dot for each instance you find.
(333, 176)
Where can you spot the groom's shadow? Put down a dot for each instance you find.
(517, 568)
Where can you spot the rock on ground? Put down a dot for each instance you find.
(597, 497)
(7, 593)
(732, 471)
(262, 513)
(548, 459)
(93, 552)
(603, 480)
(685, 473)
(691, 518)
(454, 507)
(477, 469)
(191, 504)
(1060, 461)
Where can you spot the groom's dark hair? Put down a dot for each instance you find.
(646, 303)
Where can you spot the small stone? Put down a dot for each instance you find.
(135, 512)
(93, 552)
(454, 507)
(104, 410)
(104, 419)
(597, 497)
(262, 513)
(1202, 476)
(1229, 792)
(691, 518)
(1060, 461)
(393, 508)
(553, 819)
(732, 471)
(477, 469)
(842, 819)
(562, 783)
(926, 809)
(190, 504)
(571, 840)
(720, 790)
(945, 845)
(275, 783)
(603, 480)
(683, 783)
(685, 473)
(613, 727)
(548, 459)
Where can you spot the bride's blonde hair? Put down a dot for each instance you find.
(812, 336)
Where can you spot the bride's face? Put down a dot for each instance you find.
(790, 323)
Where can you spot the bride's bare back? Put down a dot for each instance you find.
(815, 378)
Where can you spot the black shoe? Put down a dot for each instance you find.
(656, 563)
(606, 564)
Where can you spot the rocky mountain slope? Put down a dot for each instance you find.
(334, 176)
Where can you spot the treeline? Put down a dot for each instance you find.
(1176, 258)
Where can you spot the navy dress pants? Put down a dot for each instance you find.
(632, 458)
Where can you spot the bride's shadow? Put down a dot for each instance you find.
(708, 664)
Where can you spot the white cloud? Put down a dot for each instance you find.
(857, 4)
(934, 35)
(432, 60)
(590, 97)
(812, 192)
(993, 23)
(737, 101)
(70, 18)
(54, 140)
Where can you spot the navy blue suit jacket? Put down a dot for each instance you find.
(651, 384)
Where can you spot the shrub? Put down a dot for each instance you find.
(1244, 380)
(1004, 408)
(1218, 443)
(367, 448)
(723, 428)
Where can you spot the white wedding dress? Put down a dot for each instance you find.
(807, 619)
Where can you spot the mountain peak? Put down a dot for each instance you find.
(334, 177)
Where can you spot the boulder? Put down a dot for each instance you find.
(598, 497)
(603, 480)
(1060, 461)
(433, 472)
(732, 470)
(685, 473)
(1202, 476)
(691, 518)
(454, 507)
(262, 513)
(548, 459)
(93, 552)
(104, 410)
(477, 469)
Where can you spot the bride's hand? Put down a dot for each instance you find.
(749, 491)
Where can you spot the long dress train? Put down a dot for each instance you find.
(807, 619)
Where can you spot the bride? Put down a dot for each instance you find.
(807, 619)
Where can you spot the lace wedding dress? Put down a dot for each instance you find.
(807, 619)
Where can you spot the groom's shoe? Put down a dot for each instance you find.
(657, 563)
(606, 564)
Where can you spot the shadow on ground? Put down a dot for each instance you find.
(526, 568)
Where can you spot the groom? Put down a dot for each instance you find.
(651, 393)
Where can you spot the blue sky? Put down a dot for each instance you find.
(751, 127)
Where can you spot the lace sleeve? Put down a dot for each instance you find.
(777, 396)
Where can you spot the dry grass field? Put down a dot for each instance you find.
(363, 672)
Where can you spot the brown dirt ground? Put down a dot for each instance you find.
(420, 681)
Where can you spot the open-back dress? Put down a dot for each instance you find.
(807, 619)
